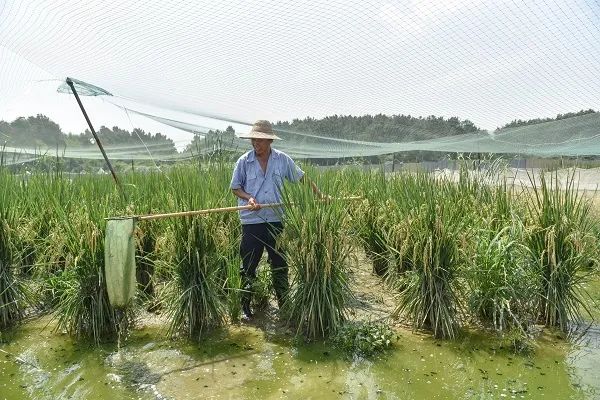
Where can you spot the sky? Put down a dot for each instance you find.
(40, 96)
(37, 93)
(212, 61)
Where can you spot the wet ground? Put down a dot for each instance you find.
(263, 361)
(258, 362)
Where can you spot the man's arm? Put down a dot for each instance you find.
(246, 196)
(237, 183)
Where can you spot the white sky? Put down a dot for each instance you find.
(487, 61)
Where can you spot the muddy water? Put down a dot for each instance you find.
(259, 362)
(584, 354)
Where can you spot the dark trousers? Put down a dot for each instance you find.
(255, 239)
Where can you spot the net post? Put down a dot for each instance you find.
(110, 167)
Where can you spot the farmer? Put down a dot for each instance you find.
(258, 179)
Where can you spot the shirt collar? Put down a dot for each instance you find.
(251, 156)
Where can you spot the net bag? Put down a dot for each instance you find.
(119, 259)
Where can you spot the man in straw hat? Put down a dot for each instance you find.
(257, 179)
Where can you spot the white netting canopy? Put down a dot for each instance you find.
(486, 63)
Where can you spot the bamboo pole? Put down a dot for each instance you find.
(200, 212)
(216, 210)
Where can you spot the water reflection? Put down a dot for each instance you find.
(584, 359)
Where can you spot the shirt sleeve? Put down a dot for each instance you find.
(238, 179)
(293, 172)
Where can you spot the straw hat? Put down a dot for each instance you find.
(260, 130)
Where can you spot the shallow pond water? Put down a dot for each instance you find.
(259, 362)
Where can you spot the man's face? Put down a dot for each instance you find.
(261, 146)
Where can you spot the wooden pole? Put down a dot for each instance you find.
(216, 210)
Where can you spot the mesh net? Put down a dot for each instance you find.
(200, 67)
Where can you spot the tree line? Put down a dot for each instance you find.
(41, 132)
(380, 127)
(518, 122)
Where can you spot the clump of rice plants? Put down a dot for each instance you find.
(83, 308)
(562, 246)
(229, 277)
(195, 298)
(317, 247)
(15, 294)
(501, 281)
(214, 238)
(12, 294)
(426, 242)
(406, 194)
(368, 224)
(72, 258)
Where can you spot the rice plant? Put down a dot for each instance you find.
(425, 241)
(12, 294)
(229, 276)
(428, 295)
(405, 195)
(427, 236)
(231, 286)
(195, 298)
(499, 275)
(501, 280)
(317, 247)
(562, 246)
(145, 260)
(71, 257)
(15, 296)
(367, 222)
(83, 308)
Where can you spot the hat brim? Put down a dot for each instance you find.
(258, 135)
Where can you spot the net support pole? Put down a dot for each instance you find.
(110, 167)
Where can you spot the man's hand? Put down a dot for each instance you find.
(254, 205)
